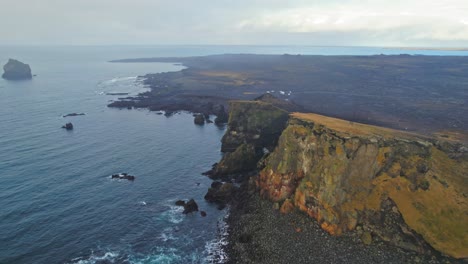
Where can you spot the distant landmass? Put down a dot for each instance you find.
(426, 94)
(16, 70)
(430, 48)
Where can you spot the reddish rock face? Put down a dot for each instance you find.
(388, 182)
(406, 189)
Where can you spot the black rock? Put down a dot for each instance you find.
(123, 176)
(16, 70)
(221, 118)
(220, 193)
(74, 114)
(190, 206)
(203, 213)
(199, 119)
(68, 126)
(216, 184)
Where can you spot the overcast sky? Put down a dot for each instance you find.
(270, 22)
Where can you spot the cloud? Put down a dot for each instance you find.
(318, 22)
(415, 20)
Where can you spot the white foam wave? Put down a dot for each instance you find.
(95, 258)
(216, 248)
(173, 214)
(119, 79)
(164, 255)
(167, 235)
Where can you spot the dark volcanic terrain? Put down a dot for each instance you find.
(427, 94)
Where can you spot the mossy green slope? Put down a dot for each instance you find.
(400, 186)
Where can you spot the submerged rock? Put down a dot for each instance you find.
(16, 70)
(123, 176)
(68, 126)
(74, 114)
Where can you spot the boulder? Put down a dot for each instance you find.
(199, 119)
(16, 70)
(68, 126)
(190, 206)
(220, 193)
(203, 213)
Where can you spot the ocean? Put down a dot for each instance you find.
(59, 204)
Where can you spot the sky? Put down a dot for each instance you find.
(421, 23)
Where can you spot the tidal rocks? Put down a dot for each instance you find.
(220, 193)
(190, 206)
(16, 70)
(199, 119)
(68, 126)
(123, 176)
(74, 114)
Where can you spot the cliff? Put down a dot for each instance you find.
(253, 130)
(406, 189)
(16, 70)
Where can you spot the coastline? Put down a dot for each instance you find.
(402, 92)
(257, 231)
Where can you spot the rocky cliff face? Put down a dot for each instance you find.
(408, 190)
(253, 130)
(16, 70)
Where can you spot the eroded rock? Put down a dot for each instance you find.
(16, 70)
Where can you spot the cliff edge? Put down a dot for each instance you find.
(406, 189)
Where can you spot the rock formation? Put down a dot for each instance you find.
(123, 176)
(74, 114)
(190, 206)
(16, 70)
(68, 126)
(199, 119)
(220, 193)
(408, 190)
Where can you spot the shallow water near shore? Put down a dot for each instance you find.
(59, 204)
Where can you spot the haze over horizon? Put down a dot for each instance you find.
(256, 22)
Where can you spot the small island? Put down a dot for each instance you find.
(16, 70)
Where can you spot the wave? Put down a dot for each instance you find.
(173, 213)
(216, 248)
(167, 235)
(106, 257)
(118, 79)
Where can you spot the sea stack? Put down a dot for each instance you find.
(16, 70)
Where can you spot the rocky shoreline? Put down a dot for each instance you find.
(259, 233)
(276, 216)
